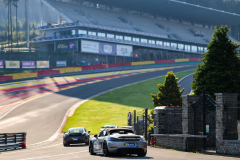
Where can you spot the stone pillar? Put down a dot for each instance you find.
(226, 111)
(188, 113)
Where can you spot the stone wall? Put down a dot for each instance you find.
(226, 124)
(229, 147)
(171, 142)
(179, 141)
(168, 120)
(188, 113)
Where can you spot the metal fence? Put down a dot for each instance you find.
(139, 122)
(12, 140)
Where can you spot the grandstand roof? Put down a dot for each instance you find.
(177, 9)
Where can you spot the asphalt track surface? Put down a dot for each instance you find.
(42, 117)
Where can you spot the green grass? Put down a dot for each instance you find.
(112, 107)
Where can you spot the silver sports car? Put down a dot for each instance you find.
(118, 140)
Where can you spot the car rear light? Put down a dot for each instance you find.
(85, 139)
(113, 147)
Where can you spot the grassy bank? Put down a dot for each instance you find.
(112, 107)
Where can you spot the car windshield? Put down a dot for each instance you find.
(112, 132)
(108, 126)
(76, 130)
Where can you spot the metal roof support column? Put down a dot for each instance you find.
(59, 19)
(41, 14)
(27, 20)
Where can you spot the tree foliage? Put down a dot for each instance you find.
(220, 71)
(169, 94)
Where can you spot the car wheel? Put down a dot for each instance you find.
(105, 150)
(142, 154)
(91, 149)
(87, 143)
(65, 144)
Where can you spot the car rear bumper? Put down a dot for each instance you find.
(114, 147)
(70, 141)
(130, 150)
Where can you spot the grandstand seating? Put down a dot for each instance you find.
(172, 29)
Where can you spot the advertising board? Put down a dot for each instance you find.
(1, 63)
(89, 46)
(107, 48)
(66, 46)
(12, 64)
(42, 64)
(61, 63)
(28, 64)
(123, 50)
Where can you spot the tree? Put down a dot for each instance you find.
(220, 71)
(169, 94)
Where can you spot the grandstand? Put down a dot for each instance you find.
(148, 34)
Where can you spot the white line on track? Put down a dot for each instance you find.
(34, 149)
(43, 157)
(184, 77)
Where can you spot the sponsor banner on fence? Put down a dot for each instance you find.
(12, 64)
(28, 64)
(61, 63)
(1, 63)
(42, 64)
(107, 48)
(123, 50)
(89, 46)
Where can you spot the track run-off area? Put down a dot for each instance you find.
(40, 106)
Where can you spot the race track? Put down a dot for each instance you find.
(42, 117)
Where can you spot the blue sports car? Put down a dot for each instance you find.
(76, 135)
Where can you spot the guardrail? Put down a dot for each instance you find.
(12, 140)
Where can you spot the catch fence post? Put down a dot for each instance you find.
(204, 117)
(146, 114)
(149, 138)
(15, 139)
(134, 118)
(5, 139)
(137, 125)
